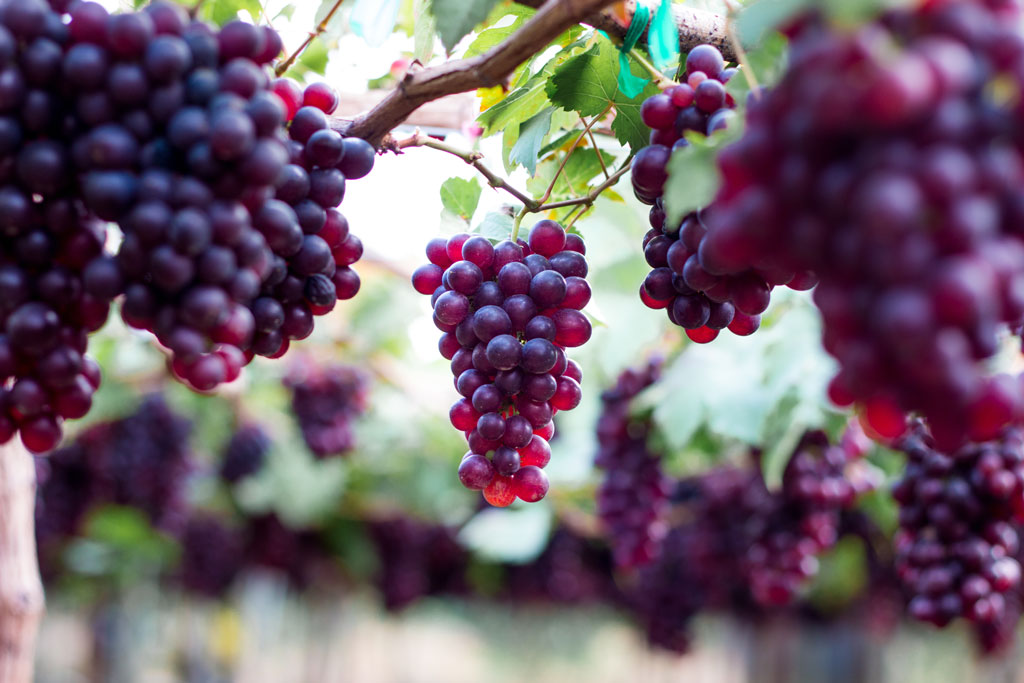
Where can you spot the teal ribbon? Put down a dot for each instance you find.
(663, 37)
(630, 84)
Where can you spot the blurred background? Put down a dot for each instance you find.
(305, 523)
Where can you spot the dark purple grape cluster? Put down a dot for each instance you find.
(958, 546)
(792, 527)
(212, 555)
(326, 401)
(632, 500)
(295, 552)
(244, 454)
(507, 313)
(231, 241)
(894, 175)
(701, 301)
(738, 546)
(415, 560)
(141, 461)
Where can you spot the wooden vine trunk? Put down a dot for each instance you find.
(21, 590)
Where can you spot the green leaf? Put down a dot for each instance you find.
(314, 57)
(460, 197)
(490, 37)
(456, 18)
(423, 32)
(582, 167)
(531, 137)
(693, 177)
(520, 105)
(496, 226)
(588, 83)
(221, 12)
(767, 61)
(756, 19)
(509, 535)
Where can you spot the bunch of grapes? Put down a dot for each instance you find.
(244, 454)
(212, 555)
(792, 527)
(695, 299)
(416, 559)
(312, 271)
(886, 163)
(326, 401)
(142, 461)
(958, 546)
(231, 241)
(507, 313)
(632, 501)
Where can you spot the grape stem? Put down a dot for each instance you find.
(660, 79)
(318, 31)
(741, 54)
(474, 159)
(575, 144)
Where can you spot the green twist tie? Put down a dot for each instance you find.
(663, 37)
(629, 84)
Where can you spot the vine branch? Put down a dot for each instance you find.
(474, 159)
(422, 85)
(695, 27)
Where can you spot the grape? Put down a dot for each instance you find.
(326, 400)
(507, 357)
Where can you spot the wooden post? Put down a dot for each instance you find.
(21, 589)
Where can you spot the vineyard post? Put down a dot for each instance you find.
(21, 589)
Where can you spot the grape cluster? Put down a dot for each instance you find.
(894, 175)
(212, 555)
(958, 545)
(632, 500)
(790, 528)
(507, 313)
(739, 546)
(416, 559)
(326, 401)
(244, 454)
(571, 570)
(231, 240)
(142, 461)
(694, 298)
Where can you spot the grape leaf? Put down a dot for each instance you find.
(520, 105)
(693, 176)
(588, 83)
(424, 30)
(531, 136)
(221, 12)
(510, 535)
(756, 19)
(496, 225)
(460, 197)
(456, 18)
(575, 178)
(496, 35)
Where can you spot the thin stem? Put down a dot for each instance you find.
(575, 144)
(600, 158)
(320, 28)
(741, 54)
(594, 194)
(193, 11)
(578, 216)
(518, 221)
(474, 159)
(660, 79)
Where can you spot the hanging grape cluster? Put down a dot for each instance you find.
(703, 301)
(507, 313)
(958, 546)
(888, 163)
(223, 184)
(326, 401)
